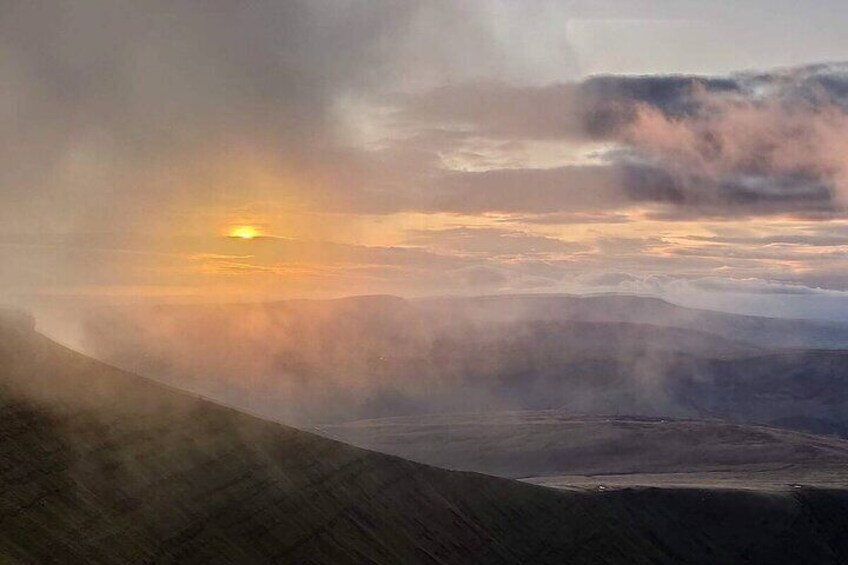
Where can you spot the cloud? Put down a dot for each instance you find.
(758, 286)
(744, 144)
(492, 241)
(126, 100)
(498, 109)
(569, 218)
(751, 143)
(120, 111)
(134, 109)
(390, 145)
(561, 189)
(785, 152)
(805, 240)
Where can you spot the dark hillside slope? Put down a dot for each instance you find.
(101, 466)
(548, 443)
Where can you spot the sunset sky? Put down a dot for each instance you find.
(228, 151)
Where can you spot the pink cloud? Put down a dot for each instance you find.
(732, 136)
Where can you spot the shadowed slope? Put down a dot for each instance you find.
(549, 443)
(100, 466)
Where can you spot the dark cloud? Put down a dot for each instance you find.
(769, 143)
(745, 144)
(736, 193)
(611, 102)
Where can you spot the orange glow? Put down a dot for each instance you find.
(244, 232)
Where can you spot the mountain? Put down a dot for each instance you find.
(308, 362)
(101, 466)
(755, 330)
(548, 446)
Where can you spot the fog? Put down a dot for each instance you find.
(307, 362)
(418, 149)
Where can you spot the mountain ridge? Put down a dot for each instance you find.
(99, 465)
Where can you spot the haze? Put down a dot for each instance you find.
(443, 281)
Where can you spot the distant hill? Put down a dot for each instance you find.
(101, 466)
(585, 450)
(307, 362)
(755, 330)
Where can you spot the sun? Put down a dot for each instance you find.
(244, 232)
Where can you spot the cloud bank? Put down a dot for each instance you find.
(411, 148)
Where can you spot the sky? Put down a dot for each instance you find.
(230, 151)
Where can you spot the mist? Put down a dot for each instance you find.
(316, 362)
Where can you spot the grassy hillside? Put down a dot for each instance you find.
(101, 466)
